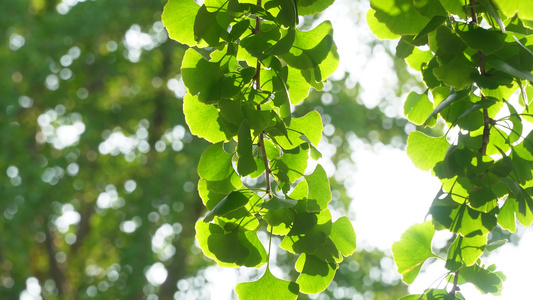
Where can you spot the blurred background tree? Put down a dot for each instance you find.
(98, 170)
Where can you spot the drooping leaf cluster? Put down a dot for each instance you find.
(246, 65)
(476, 60)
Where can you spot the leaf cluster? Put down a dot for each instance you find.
(247, 63)
(476, 61)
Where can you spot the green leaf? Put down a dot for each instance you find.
(524, 9)
(484, 280)
(178, 18)
(419, 58)
(507, 68)
(452, 98)
(278, 203)
(200, 76)
(496, 244)
(379, 29)
(485, 40)
(426, 151)
(291, 165)
(309, 231)
(297, 85)
(343, 236)
(231, 202)
(284, 44)
(318, 187)
(309, 125)
(207, 26)
(434, 294)
(483, 199)
(246, 163)
(404, 47)
(215, 164)
(430, 8)
(230, 249)
(315, 274)
(489, 7)
(454, 7)
(259, 120)
(460, 218)
(456, 73)
(417, 108)
(506, 216)
(400, 16)
(413, 249)
(268, 287)
(310, 7)
(465, 250)
(285, 11)
(315, 52)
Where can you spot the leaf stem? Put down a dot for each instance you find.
(455, 287)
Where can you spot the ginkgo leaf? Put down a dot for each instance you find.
(268, 287)
(485, 280)
(524, 9)
(215, 163)
(413, 249)
(315, 274)
(309, 125)
(465, 250)
(400, 16)
(417, 108)
(246, 163)
(318, 185)
(343, 236)
(204, 120)
(230, 249)
(178, 18)
(425, 151)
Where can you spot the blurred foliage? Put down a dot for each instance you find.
(98, 171)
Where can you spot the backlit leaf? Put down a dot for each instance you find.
(246, 163)
(268, 287)
(308, 7)
(315, 274)
(230, 249)
(178, 18)
(400, 16)
(511, 7)
(343, 235)
(413, 249)
(426, 151)
(417, 108)
(215, 163)
(484, 280)
(201, 76)
(318, 185)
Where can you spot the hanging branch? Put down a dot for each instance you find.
(257, 79)
(486, 119)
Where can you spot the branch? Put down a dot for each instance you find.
(481, 61)
(257, 79)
